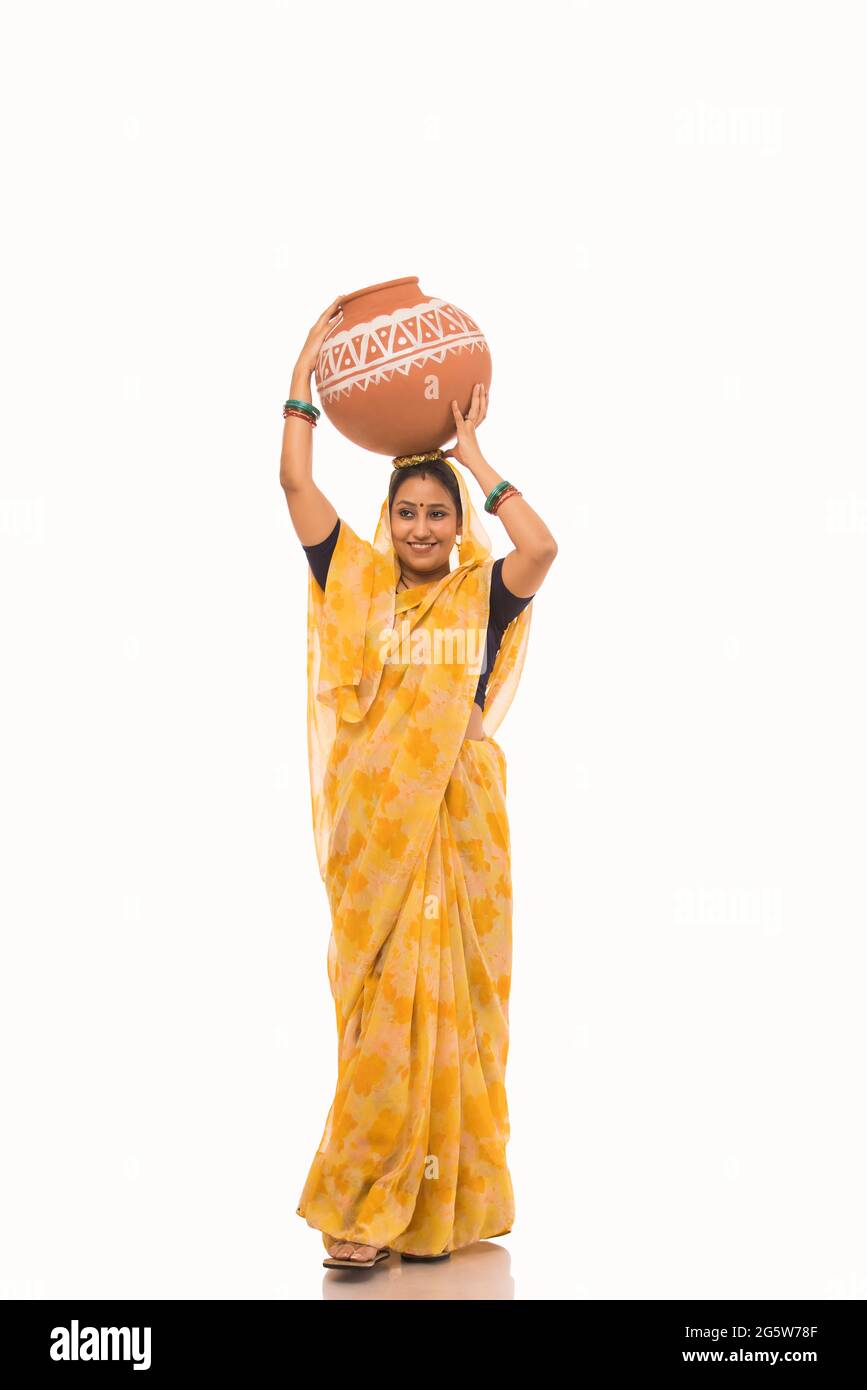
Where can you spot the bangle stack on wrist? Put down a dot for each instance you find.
(504, 496)
(302, 410)
(498, 495)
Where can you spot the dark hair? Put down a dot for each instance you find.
(440, 472)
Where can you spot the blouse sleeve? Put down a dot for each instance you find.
(320, 555)
(504, 604)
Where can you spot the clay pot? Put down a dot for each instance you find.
(387, 373)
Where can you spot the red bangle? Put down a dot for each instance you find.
(300, 415)
(510, 492)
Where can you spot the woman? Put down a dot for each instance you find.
(411, 831)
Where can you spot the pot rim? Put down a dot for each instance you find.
(383, 285)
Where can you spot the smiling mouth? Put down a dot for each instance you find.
(422, 545)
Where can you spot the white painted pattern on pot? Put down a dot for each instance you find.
(369, 353)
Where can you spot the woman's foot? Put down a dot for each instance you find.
(351, 1250)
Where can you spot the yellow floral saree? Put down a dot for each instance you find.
(412, 839)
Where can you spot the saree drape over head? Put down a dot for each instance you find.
(412, 839)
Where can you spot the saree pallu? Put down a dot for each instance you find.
(413, 841)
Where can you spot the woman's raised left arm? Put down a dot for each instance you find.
(525, 567)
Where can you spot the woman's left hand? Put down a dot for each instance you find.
(466, 449)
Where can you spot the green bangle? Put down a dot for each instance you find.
(302, 405)
(494, 494)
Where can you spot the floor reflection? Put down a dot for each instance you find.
(482, 1271)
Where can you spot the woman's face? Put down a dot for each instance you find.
(424, 524)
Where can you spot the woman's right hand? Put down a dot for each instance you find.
(328, 319)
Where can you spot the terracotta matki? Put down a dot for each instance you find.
(387, 373)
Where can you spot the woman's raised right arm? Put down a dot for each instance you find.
(313, 516)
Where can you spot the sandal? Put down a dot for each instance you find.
(446, 1255)
(332, 1263)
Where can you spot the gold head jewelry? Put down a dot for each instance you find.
(407, 460)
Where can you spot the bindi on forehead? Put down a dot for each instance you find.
(408, 502)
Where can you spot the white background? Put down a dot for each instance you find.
(655, 213)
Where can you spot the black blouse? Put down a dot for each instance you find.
(504, 605)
